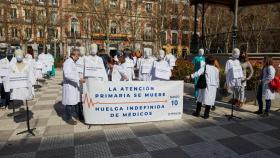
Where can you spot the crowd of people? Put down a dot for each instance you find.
(121, 67)
(129, 66)
(238, 71)
(15, 64)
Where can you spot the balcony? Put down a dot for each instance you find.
(73, 34)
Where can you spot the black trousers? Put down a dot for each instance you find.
(5, 96)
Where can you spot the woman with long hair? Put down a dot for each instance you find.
(246, 65)
(268, 74)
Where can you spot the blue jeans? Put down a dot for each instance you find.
(260, 100)
(70, 111)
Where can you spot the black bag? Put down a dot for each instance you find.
(201, 83)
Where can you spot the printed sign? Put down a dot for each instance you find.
(128, 102)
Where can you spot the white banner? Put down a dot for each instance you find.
(136, 101)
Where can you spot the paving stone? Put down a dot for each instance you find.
(80, 127)
(68, 152)
(89, 137)
(45, 102)
(95, 150)
(275, 150)
(262, 140)
(8, 124)
(239, 145)
(20, 146)
(119, 133)
(199, 123)
(35, 123)
(213, 133)
(211, 149)
(38, 134)
(142, 155)
(59, 130)
(145, 130)
(21, 155)
(126, 147)
(273, 133)
(168, 153)
(38, 114)
(238, 129)
(184, 138)
(172, 126)
(5, 135)
(54, 142)
(260, 154)
(258, 126)
(271, 121)
(42, 107)
(157, 142)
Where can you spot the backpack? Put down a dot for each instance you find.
(201, 83)
(274, 84)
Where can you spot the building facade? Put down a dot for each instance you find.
(112, 24)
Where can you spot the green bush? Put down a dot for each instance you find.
(182, 69)
(58, 62)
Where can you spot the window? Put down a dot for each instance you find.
(113, 3)
(74, 26)
(163, 37)
(97, 2)
(13, 13)
(127, 29)
(2, 12)
(41, 2)
(53, 33)
(186, 24)
(149, 7)
(40, 33)
(113, 27)
(97, 28)
(28, 33)
(1, 31)
(53, 17)
(174, 38)
(27, 15)
(74, 1)
(129, 4)
(185, 39)
(174, 24)
(54, 2)
(27, 1)
(14, 32)
(148, 32)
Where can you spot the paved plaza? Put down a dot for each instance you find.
(251, 137)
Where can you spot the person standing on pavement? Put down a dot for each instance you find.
(71, 86)
(199, 62)
(245, 64)
(207, 96)
(267, 74)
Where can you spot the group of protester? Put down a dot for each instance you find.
(121, 67)
(15, 64)
(237, 75)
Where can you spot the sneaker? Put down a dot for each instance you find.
(264, 114)
(258, 112)
(213, 108)
(206, 116)
(72, 122)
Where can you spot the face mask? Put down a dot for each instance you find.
(19, 58)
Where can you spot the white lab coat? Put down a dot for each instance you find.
(120, 73)
(98, 71)
(171, 59)
(70, 88)
(38, 70)
(81, 66)
(207, 96)
(129, 63)
(6, 64)
(161, 71)
(268, 75)
(145, 69)
(43, 59)
(31, 62)
(23, 93)
(234, 73)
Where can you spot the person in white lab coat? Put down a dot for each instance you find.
(94, 66)
(234, 77)
(120, 72)
(161, 70)
(7, 60)
(171, 59)
(264, 90)
(146, 65)
(71, 86)
(130, 64)
(207, 96)
(24, 69)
